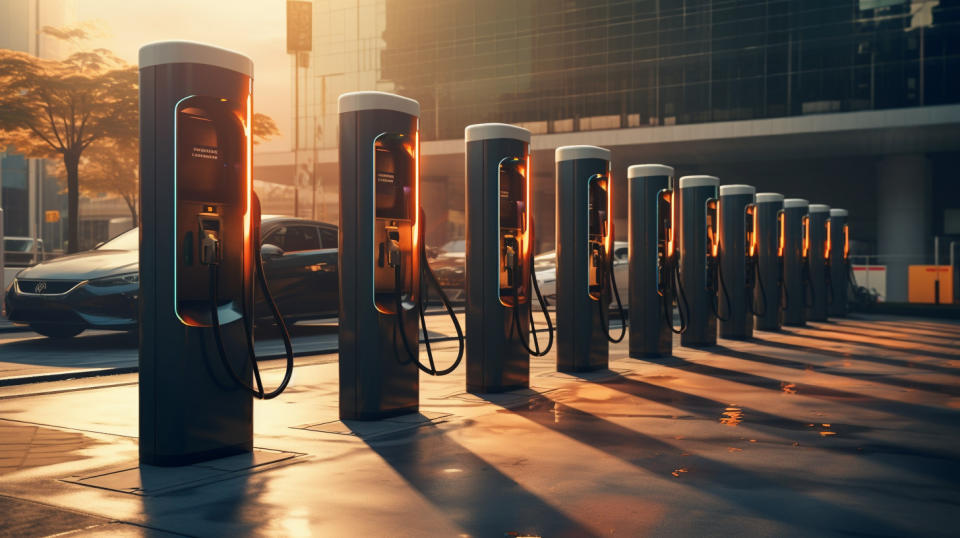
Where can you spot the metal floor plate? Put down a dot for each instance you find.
(507, 400)
(367, 429)
(149, 480)
(596, 375)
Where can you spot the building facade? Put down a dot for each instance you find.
(27, 190)
(852, 103)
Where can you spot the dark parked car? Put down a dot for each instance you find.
(19, 251)
(99, 288)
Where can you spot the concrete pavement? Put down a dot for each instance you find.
(840, 428)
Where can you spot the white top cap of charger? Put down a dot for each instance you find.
(487, 131)
(355, 101)
(572, 153)
(769, 197)
(818, 208)
(698, 181)
(191, 52)
(649, 170)
(729, 190)
(838, 212)
(795, 202)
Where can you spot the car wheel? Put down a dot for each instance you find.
(56, 330)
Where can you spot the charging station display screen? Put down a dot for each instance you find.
(199, 158)
(392, 192)
(598, 206)
(512, 186)
(206, 143)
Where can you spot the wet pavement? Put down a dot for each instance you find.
(834, 429)
(26, 356)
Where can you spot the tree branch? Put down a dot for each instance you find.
(53, 126)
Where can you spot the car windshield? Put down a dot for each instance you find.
(17, 245)
(128, 240)
(457, 245)
(545, 260)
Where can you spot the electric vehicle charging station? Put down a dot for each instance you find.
(500, 282)
(584, 258)
(838, 268)
(199, 255)
(738, 219)
(769, 297)
(653, 261)
(382, 260)
(794, 245)
(696, 221)
(818, 233)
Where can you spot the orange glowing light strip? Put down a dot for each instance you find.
(805, 223)
(782, 240)
(247, 132)
(846, 241)
(715, 241)
(527, 238)
(828, 243)
(753, 235)
(609, 239)
(673, 222)
(416, 195)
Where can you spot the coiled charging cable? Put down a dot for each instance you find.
(681, 296)
(430, 369)
(516, 330)
(608, 265)
(755, 263)
(256, 392)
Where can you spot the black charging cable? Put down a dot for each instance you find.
(257, 392)
(829, 282)
(426, 270)
(516, 330)
(608, 266)
(751, 300)
(715, 303)
(851, 280)
(681, 296)
(784, 296)
(808, 291)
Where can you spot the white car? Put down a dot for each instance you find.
(545, 265)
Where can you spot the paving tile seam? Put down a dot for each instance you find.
(222, 475)
(95, 387)
(60, 427)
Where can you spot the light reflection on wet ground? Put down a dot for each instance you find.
(784, 435)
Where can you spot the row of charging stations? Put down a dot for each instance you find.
(722, 254)
(730, 259)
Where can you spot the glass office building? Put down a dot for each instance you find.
(580, 65)
(854, 103)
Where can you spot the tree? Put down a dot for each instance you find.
(263, 128)
(57, 109)
(111, 167)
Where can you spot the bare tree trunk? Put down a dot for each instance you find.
(131, 201)
(71, 162)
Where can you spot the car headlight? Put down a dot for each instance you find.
(125, 279)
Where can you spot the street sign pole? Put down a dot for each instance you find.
(299, 39)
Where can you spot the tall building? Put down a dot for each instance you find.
(852, 103)
(26, 189)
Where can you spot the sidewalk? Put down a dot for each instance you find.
(841, 428)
